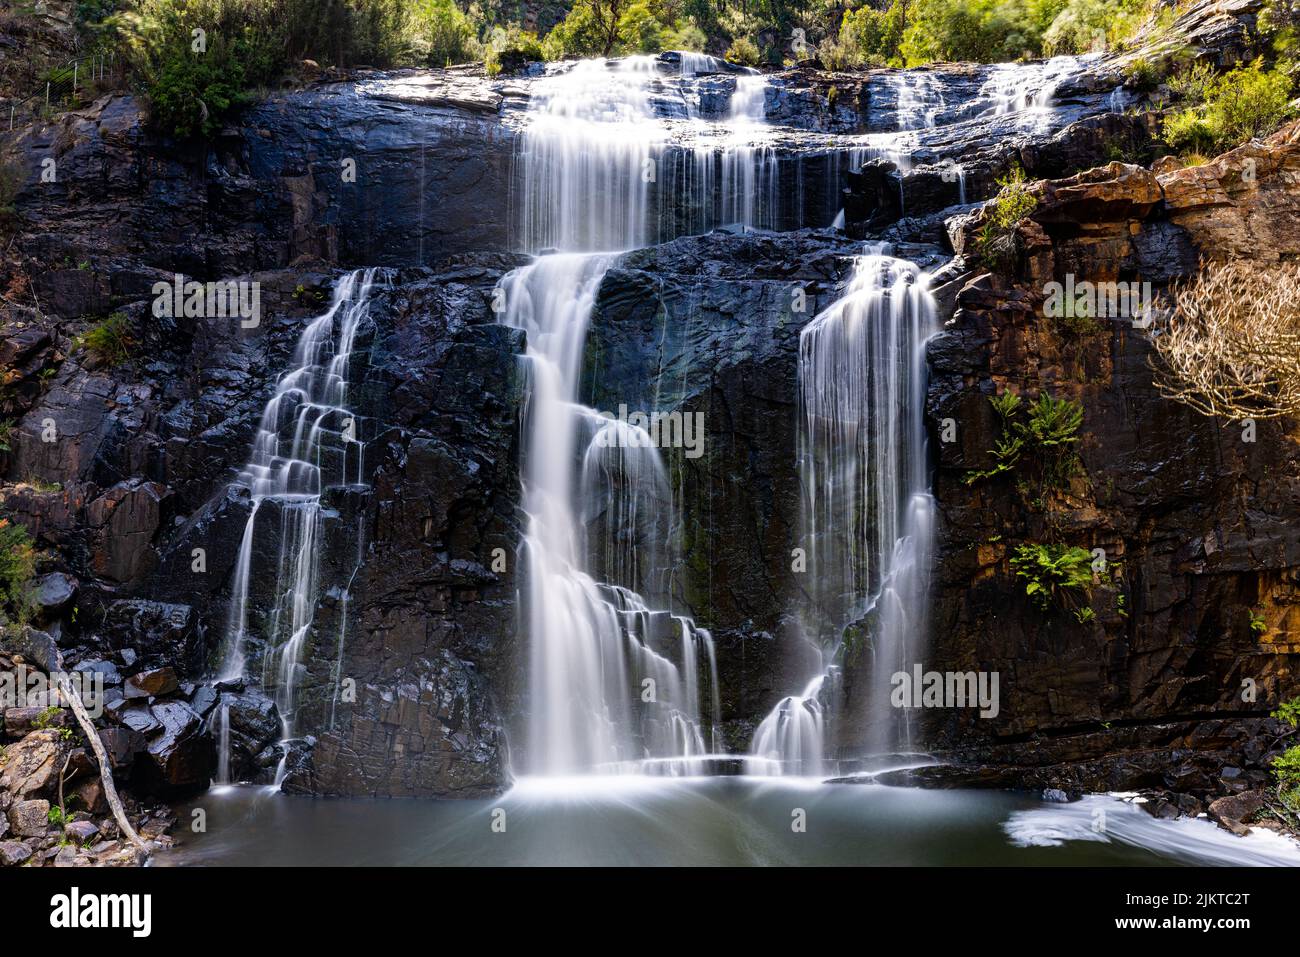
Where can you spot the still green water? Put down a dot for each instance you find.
(704, 821)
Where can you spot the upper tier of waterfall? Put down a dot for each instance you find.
(619, 154)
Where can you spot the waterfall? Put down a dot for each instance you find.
(1026, 87)
(308, 440)
(918, 96)
(614, 676)
(867, 517)
(600, 168)
(590, 151)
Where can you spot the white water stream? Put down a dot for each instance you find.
(614, 674)
(308, 441)
(867, 521)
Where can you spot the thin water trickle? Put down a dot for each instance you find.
(308, 440)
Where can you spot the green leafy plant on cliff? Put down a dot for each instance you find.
(1038, 439)
(1009, 445)
(1002, 214)
(110, 339)
(17, 566)
(48, 720)
(1057, 575)
(1284, 801)
(6, 435)
(1052, 432)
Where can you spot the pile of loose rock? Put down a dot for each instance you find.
(53, 809)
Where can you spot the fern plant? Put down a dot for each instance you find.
(1055, 574)
(1043, 439)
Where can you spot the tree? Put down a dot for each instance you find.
(607, 15)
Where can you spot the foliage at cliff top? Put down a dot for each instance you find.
(1222, 112)
(194, 80)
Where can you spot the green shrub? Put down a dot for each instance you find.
(1284, 804)
(1247, 102)
(193, 84)
(639, 29)
(1143, 74)
(685, 34)
(981, 30)
(578, 34)
(1188, 132)
(868, 36)
(1288, 712)
(1002, 214)
(1085, 26)
(1279, 22)
(17, 566)
(6, 435)
(1286, 768)
(442, 34)
(744, 52)
(1054, 574)
(510, 48)
(605, 28)
(110, 339)
(1193, 83)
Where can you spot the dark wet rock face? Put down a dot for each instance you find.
(412, 675)
(1169, 681)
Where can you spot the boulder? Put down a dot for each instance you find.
(180, 757)
(122, 745)
(55, 592)
(1232, 812)
(14, 853)
(81, 831)
(30, 818)
(32, 766)
(151, 684)
(19, 721)
(89, 794)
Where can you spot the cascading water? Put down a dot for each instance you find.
(919, 98)
(749, 166)
(588, 155)
(614, 677)
(608, 163)
(308, 441)
(867, 520)
(1027, 88)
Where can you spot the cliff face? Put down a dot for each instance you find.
(1193, 521)
(1170, 683)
